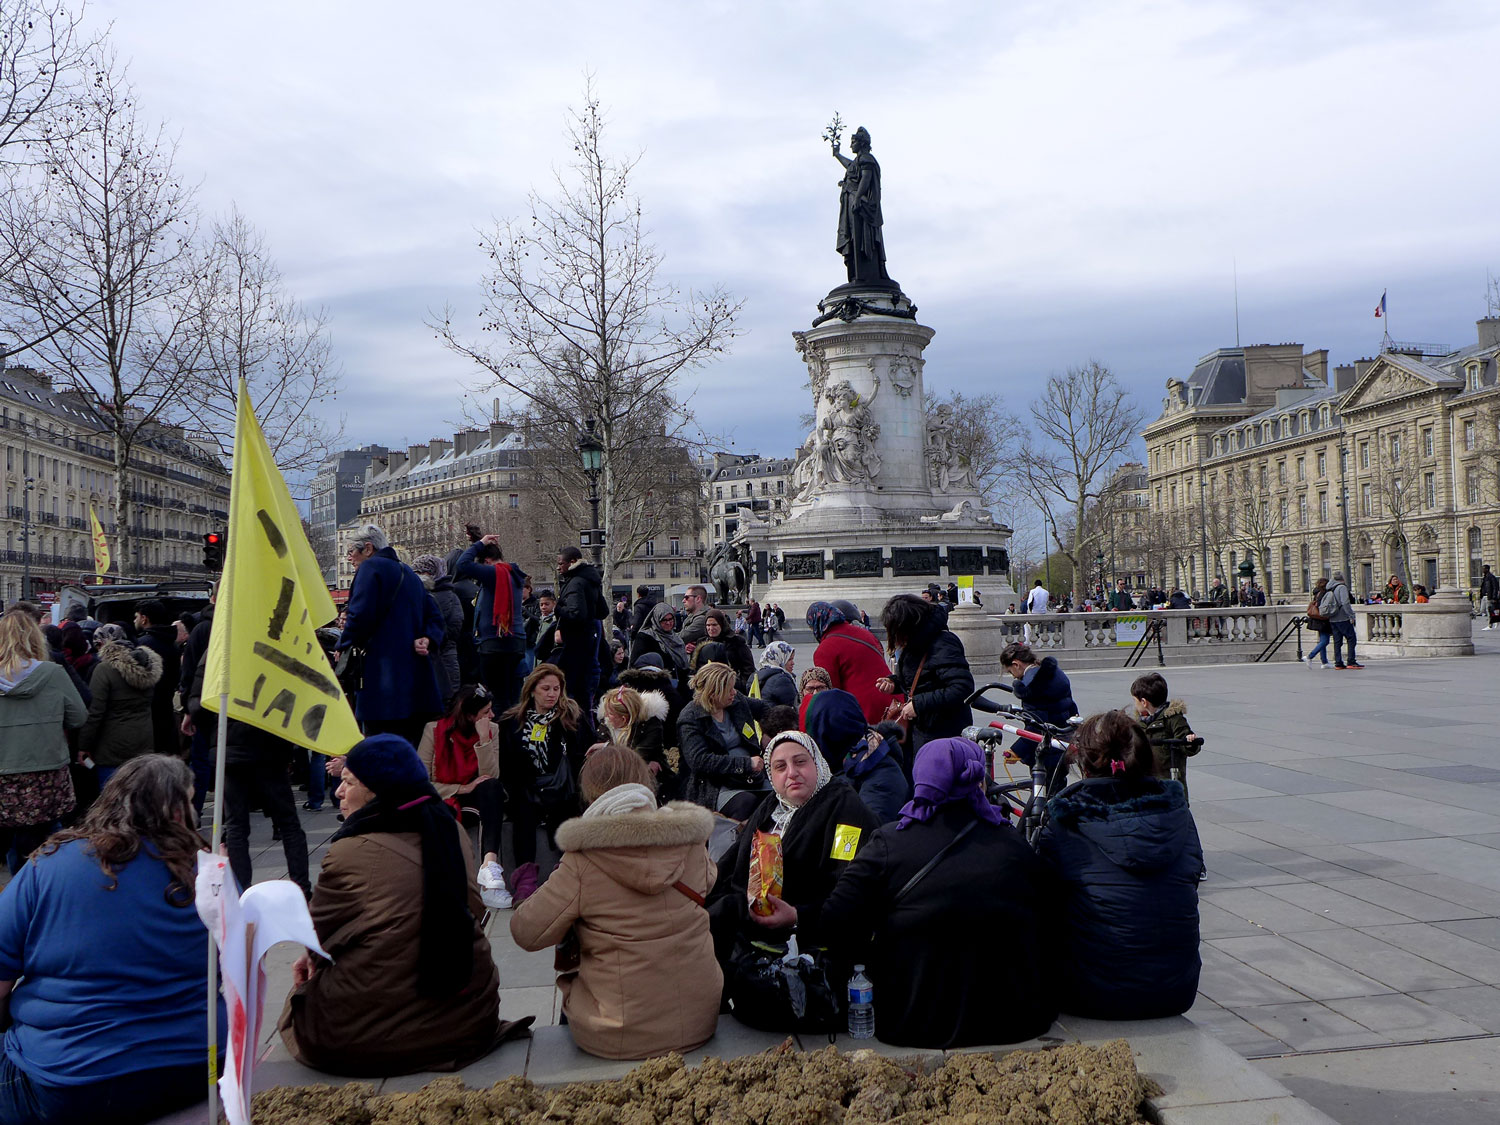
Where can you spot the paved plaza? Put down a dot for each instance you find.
(1351, 918)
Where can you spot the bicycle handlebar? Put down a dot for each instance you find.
(980, 704)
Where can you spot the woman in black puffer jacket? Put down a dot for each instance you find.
(932, 670)
(1125, 855)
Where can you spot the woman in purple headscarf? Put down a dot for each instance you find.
(953, 898)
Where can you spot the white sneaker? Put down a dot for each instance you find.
(497, 898)
(492, 890)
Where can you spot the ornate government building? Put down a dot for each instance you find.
(1385, 466)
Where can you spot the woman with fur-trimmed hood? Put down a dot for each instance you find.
(638, 719)
(631, 886)
(119, 725)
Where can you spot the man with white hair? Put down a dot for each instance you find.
(395, 620)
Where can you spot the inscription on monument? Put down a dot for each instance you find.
(802, 564)
(865, 563)
(914, 560)
(999, 561)
(965, 560)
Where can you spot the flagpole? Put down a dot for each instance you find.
(213, 946)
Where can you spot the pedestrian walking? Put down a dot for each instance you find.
(1318, 621)
(1489, 597)
(1340, 612)
(119, 725)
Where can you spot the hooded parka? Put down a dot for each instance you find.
(120, 725)
(647, 982)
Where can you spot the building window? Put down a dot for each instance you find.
(1322, 507)
(1174, 495)
(650, 547)
(718, 493)
(1395, 448)
(1280, 472)
(734, 491)
(1302, 510)
(780, 487)
(1364, 499)
(676, 570)
(674, 547)
(1427, 442)
(1301, 468)
(1282, 509)
(1322, 464)
(718, 532)
(1429, 490)
(1306, 568)
(515, 500)
(1476, 557)
(1364, 455)
(1325, 567)
(650, 570)
(1286, 570)
(1265, 478)
(1468, 433)
(765, 487)
(1471, 485)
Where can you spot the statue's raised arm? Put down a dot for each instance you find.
(861, 238)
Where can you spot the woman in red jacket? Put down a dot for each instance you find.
(850, 654)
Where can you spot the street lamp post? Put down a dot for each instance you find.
(28, 482)
(591, 454)
(1344, 512)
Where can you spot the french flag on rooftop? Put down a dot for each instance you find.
(1380, 308)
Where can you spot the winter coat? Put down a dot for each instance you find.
(483, 576)
(388, 610)
(445, 656)
(945, 682)
(647, 982)
(694, 628)
(777, 686)
(1336, 605)
(876, 772)
(1489, 587)
(643, 642)
(642, 610)
(119, 725)
(486, 753)
(854, 660)
(362, 1014)
(711, 766)
(520, 773)
(1125, 859)
(1048, 695)
(35, 711)
(1168, 721)
(648, 739)
(933, 959)
(580, 601)
(162, 640)
(811, 864)
(737, 655)
(659, 681)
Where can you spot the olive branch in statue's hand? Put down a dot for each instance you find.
(834, 130)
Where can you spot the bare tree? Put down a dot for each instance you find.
(1086, 424)
(1254, 519)
(43, 51)
(1397, 481)
(587, 328)
(246, 326)
(100, 269)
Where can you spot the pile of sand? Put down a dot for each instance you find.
(1070, 1085)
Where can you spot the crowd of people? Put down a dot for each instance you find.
(644, 758)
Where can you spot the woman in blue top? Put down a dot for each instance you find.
(108, 1022)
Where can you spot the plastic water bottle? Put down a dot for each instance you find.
(861, 1005)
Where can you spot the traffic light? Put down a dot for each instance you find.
(213, 551)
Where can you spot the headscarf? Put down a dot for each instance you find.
(405, 801)
(822, 616)
(110, 634)
(621, 799)
(672, 647)
(776, 655)
(781, 816)
(948, 771)
(429, 566)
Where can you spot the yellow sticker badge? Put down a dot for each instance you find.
(845, 842)
(750, 733)
(538, 733)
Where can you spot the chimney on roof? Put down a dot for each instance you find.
(499, 431)
(1269, 368)
(1317, 363)
(1344, 378)
(437, 448)
(1489, 335)
(394, 460)
(1361, 366)
(415, 453)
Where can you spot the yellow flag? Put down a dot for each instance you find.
(263, 652)
(101, 544)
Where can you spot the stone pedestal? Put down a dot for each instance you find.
(880, 504)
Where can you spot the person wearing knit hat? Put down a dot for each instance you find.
(822, 824)
(412, 984)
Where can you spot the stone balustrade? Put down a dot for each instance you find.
(1231, 635)
(1440, 627)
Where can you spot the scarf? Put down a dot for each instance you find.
(781, 815)
(505, 605)
(540, 759)
(454, 761)
(822, 616)
(445, 958)
(948, 771)
(671, 644)
(621, 799)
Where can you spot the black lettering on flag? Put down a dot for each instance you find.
(286, 703)
(312, 721)
(318, 678)
(282, 610)
(273, 533)
(260, 682)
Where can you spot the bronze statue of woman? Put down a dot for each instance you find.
(861, 239)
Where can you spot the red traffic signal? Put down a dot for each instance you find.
(213, 551)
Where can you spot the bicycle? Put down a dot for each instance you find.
(1026, 800)
(1177, 757)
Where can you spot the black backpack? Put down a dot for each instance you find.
(768, 994)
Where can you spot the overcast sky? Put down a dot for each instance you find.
(1063, 181)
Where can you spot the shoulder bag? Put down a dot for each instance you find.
(893, 708)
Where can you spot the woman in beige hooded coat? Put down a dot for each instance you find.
(632, 882)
